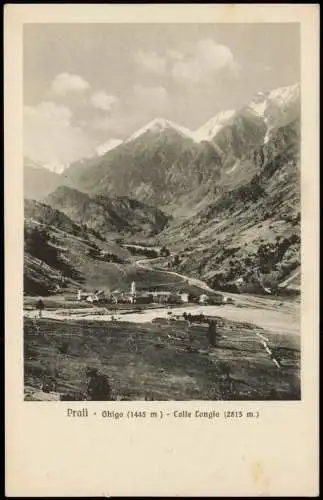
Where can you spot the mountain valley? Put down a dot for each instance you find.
(225, 198)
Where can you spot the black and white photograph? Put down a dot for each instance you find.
(162, 211)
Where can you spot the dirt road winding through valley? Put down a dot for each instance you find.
(146, 264)
(272, 313)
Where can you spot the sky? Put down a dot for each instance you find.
(88, 84)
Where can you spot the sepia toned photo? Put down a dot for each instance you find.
(162, 212)
(161, 167)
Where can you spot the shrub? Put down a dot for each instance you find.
(164, 252)
(63, 348)
(37, 244)
(98, 388)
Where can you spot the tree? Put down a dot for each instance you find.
(98, 388)
(176, 261)
(94, 251)
(37, 244)
(212, 333)
(35, 240)
(164, 252)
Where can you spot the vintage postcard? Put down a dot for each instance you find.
(161, 232)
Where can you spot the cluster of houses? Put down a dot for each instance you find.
(147, 297)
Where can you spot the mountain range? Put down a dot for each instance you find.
(231, 188)
(168, 165)
(108, 215)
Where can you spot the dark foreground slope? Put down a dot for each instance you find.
(160, 362)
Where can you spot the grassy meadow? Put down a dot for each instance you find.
(159, 361)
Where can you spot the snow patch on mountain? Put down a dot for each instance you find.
(159, 125)
(28, 162)
(283, 106)
(209, 130)
(259, 104)
(55, 167)
(285, 96)
(277, 108)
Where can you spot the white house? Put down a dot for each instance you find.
(203, 298)
(81, 295)
(239, 282)
(161, 296)
(184, 298)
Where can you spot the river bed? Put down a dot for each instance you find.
(278, 319)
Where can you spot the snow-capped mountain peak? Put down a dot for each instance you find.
(280, 100)
(159, 125)
(209, 130)
(283, 106)
(283, 96)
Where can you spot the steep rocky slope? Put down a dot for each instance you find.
(249, 237)
(58, 251)
(155, 168)
(232, 188)
(42, 213)
(108, 215)
(166, 168)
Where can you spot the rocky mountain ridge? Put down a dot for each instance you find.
(233, 191)
(171, 167)
(108, 215)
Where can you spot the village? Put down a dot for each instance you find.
(161, 297)
(148, 295)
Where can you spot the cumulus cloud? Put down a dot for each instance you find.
(153, 99)
(175, 54)
(144, 103)
(50, 136)
(65, 82)
(108, 124)
(196, 64)
(102, 100)
(46, 111)
(203, 61)
(150, 61)
(150, 92)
